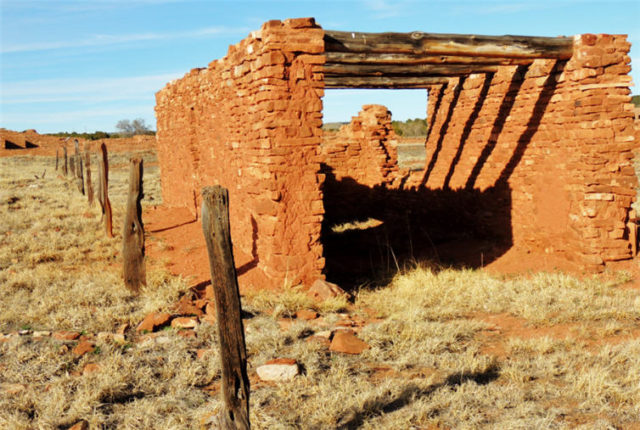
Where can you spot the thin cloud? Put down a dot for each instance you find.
(84, 6)
(498, 8)
(112, 39)
(93, 90)
(513, 8)
(383, 8)
(75, 116)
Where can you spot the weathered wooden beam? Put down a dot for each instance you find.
(76, 149)
(57, 157)
(89, 185)
(99, 187)
(233, 353)
(395, 70)
(66, 160)
(382, 82)
(410, 59)
(80, 179)
(449, 44)
(79, 173)
(72, 165)
(632, 225)
(104, 190)
(133, 267)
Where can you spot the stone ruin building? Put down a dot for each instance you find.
(530, 144)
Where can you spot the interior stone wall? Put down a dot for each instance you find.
(553, 140)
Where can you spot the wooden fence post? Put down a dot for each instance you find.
(87, 166)
(632, 225)
(233, 353)
(80, 176)
(133, 231)
(72, 165)
(99, 186)
(65, 167)
(57, 157)
(79, 171)
(104, 190)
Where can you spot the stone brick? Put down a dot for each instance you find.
(251, 122)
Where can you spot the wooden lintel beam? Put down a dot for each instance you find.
(449, 44)
(382, 82)
(410, 59)
(406, 70)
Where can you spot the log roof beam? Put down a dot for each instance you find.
(418, 60)
(419, 43)
(396, 82)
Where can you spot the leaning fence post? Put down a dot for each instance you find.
(99, 186)
(80, 175)
(79, 171)
(233, 353)
(72, 165)
(104, 189)
(87, 166)
(133, 232)
(66, 160)
(632, 225)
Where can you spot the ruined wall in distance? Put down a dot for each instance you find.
(365, 149)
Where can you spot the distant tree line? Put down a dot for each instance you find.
(416, 127)
(89, 136)
(124, 127)
(130, 128)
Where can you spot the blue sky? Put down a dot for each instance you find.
(85, 64)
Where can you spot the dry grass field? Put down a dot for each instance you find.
(448, 348)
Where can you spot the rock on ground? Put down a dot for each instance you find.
(345, 341)
(323, 290)
(280, 369)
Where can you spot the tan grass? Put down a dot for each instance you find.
(54, 252)
(58, 271)
(130, 390)
(356, 225)
(285, 303)
(542, 298)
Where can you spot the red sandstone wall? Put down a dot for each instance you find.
(547, 148)
(558, 137)
(365, 149)
(252, 123)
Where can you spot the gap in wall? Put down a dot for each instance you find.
(370, 232)
(359, 233)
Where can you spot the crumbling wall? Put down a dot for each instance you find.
(537, 155)
(365, 149)
(251, 122)
(556, 138)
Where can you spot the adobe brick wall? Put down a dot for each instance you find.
(558, 137)
(251, 122)
(542, 154)
(365, 149)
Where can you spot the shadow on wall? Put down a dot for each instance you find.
(10, 145)
(467, 228)
(463, 227)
